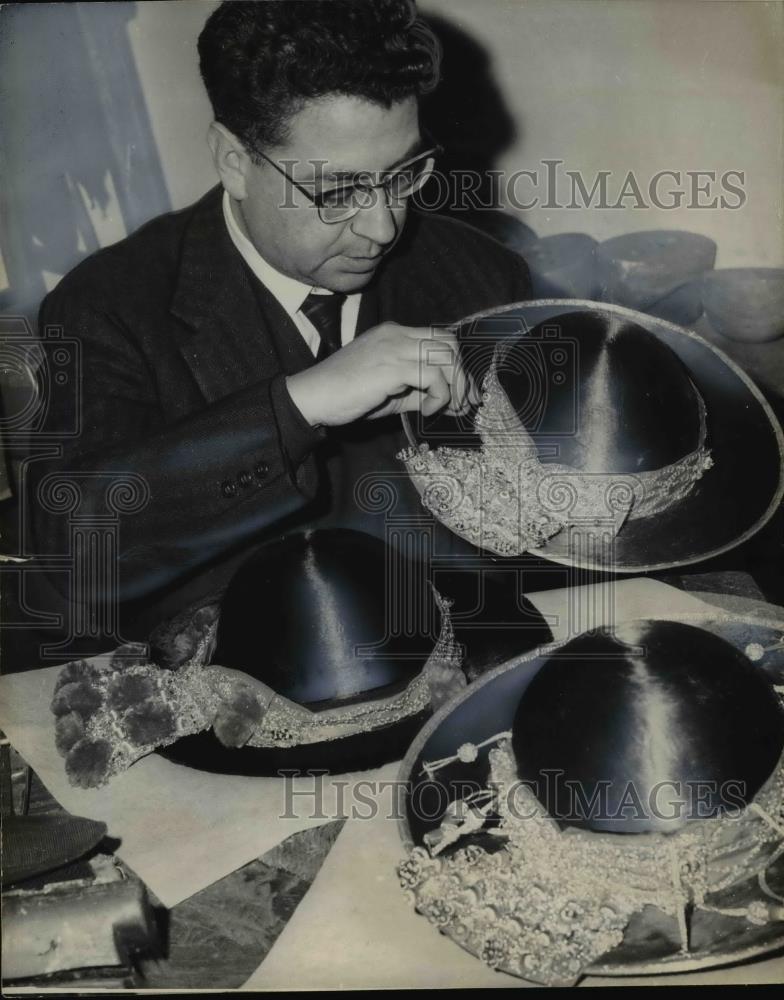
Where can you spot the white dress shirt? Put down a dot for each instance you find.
(289, 292)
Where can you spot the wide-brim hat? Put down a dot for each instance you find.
(320, 618)
(37, 844)
(740, 485)
(545, 921)
(325, 594)
(348, 644)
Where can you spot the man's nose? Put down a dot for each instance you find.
(376, 222)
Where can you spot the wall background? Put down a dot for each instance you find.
(645, 85)
(618, 85)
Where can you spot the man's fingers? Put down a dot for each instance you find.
(430, 379)
(454, 372)
(458, 411)
(420, 388)
(423, 388)
(422, 370)
(442, 351)
(404, 402)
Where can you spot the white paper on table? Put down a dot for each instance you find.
(180, 829)
(354, 928)
(570, 611)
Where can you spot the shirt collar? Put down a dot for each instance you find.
(288, 291)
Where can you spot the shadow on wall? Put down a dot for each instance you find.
(76, 138)
(469, 117)
(667, 273)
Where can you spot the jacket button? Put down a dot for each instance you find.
(261, 470)
(244, 478)
(229, 488)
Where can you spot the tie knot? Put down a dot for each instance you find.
(317, 305)
(323, 311)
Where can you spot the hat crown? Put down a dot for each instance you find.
(658, 723)
(623, 401)
(317, 616)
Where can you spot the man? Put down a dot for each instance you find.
(244, 360)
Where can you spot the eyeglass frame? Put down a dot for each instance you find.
(433, 152)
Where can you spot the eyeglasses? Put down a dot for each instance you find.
(341, 203)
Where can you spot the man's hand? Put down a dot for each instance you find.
(389, 369)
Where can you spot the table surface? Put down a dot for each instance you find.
(218, 937)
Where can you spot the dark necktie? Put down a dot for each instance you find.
(323, 311)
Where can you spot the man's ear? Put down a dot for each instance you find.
(230, 159)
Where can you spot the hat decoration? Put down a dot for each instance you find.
(110, 714)
(549, 902)
(502, 498)
(544, 900)
(653, 449)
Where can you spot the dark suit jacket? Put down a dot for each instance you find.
(184, 356)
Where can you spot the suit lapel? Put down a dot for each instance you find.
(236, 332)
(226, 342)
(293, 353)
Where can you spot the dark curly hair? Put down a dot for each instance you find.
(261, 61)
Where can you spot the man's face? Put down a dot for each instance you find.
(354, 137)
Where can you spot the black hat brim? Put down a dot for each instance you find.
(205, 752)
(486, 642)
(732, 500)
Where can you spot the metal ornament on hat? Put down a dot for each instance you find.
(550, 902)
(504, 500)
(756, 652)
